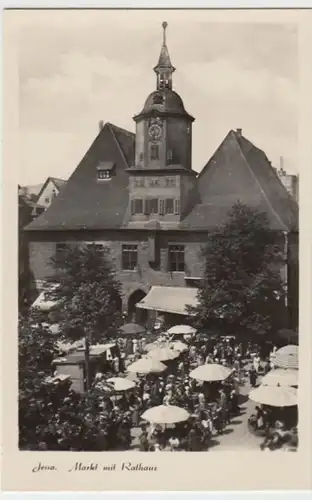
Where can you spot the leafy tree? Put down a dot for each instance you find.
(36, 351)
(51, 415)
(88, 296)
(242, 288)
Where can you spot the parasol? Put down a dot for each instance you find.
(132, 329)
(274, 395)
(181, 329)
(211, 372)
(163, 354)
(165, 414)
(282, 377)
(120, 384)
(146, 365)
(287, 357)
(178, 346)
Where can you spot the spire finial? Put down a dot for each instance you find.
(164, 26)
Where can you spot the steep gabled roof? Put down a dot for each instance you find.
(239, 171)
(58, 183)
(86, 202)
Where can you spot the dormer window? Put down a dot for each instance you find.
(105, 171)
(104, 174)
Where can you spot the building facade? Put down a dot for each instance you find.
(50, 189)
(139, 195)
(291, 183)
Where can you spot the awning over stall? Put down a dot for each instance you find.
(43, 303)
(171, 299)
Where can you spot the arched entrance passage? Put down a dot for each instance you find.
(134, 313)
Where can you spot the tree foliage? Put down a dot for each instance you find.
(37, 349)
(243, 288)
(51, 415)
(88, 294)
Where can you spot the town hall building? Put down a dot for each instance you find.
(139, 195)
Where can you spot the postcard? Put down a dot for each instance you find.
(154, 165)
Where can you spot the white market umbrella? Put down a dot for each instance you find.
(178, 346)
(181, 329)
(132, 329)
(165, 414)
(163, 354)
(281, 376)
(287, 357)
(147, 365)
(211, 373)
(274, 395)
(120, 384)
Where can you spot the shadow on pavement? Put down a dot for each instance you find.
(227, 431)
(213, 442)
(236, 422)
(243, 398)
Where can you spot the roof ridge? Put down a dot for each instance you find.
(213, 155)
(58, 179)
(257, 180)
(111, 128)
(120, 128)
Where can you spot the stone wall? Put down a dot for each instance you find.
(42, 249)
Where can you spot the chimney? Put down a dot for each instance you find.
(101, 125)
(239, 132)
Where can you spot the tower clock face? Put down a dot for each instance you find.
(155, 132)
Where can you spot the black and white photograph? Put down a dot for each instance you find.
(158, 234)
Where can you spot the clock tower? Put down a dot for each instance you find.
(162, 180)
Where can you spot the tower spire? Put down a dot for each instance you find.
(164, 68)
(164, 25)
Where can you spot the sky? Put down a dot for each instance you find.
(79, 67)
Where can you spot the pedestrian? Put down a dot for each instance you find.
(253, 377)
(256, 362)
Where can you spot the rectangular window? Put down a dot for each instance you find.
(104, 174)
(177, 206)
(129, 257)
(161, 207)
(154, 182)
(170, 181)
(137, 206)
(154, 152)
(169, 154)
(138, 182)
(169, 208)
(176, 258)
(151, 206)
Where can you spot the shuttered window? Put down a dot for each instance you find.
(169, 206)
(177, 206)
(161, 207)
(137, 206)
(151, 206)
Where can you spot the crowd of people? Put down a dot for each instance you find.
(112, 420)
(210, 405)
